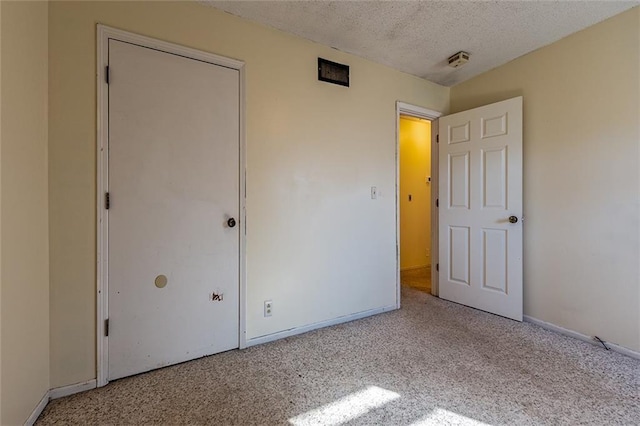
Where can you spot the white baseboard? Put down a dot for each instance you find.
(299, 330)
(38, 410)
(580, 336)
(56, 393)
(63, 391)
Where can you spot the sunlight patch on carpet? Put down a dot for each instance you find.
(440, 416)
(347, 408)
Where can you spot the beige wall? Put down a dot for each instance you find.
(0, 213)
(415, 215)
(581, 179)
(24, 264)
(318, 246)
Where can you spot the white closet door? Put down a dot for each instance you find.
(173, 185)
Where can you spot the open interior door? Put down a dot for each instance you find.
(480, 208)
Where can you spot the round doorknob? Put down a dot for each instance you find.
(513, 219)
(231, 222)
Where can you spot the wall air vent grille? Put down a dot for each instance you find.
(333, 72)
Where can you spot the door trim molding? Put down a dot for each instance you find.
(104, 33)
(403, 108)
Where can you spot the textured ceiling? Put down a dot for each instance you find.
(417, 37)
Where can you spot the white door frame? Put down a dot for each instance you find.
(419, 112)
(105, 33)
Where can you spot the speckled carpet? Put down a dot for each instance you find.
(432, 362)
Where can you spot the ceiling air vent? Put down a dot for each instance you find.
(333, 72)
(458, 59)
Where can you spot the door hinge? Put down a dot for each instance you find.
(438, 267)
(437, 137)
(437, 202)
(107, 201)
(106, 74)
(106, 327)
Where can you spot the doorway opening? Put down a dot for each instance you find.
(416, 198)
(415, 202)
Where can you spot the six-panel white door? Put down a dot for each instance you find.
(174, 184)
(480, 208)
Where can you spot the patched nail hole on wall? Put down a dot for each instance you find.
(161, 281)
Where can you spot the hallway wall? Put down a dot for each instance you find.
(415, 215)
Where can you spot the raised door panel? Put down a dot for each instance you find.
(458, 133)
(494, 260)
(494, 178)
(458, 177)
(459, 254)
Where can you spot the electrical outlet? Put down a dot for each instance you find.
(374, 192)
(268, 308)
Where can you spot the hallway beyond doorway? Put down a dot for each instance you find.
(419, 278)
(415, 201)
